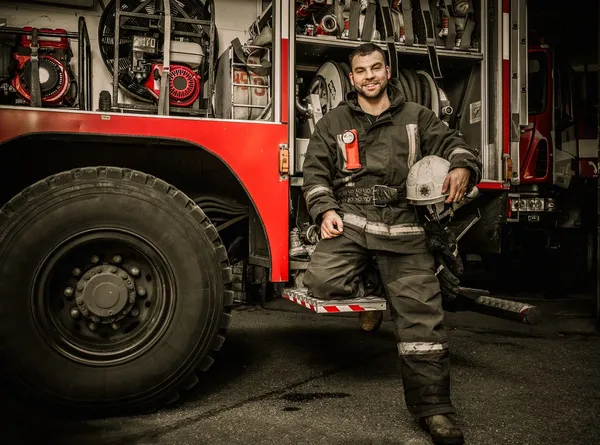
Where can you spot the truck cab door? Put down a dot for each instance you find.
(565, 137)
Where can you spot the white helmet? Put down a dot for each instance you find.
(425, 181)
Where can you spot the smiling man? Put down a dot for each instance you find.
(359, 201)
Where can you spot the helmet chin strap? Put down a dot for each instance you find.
(436, 212)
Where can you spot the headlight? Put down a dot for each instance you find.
(535, 204)
(531, 204)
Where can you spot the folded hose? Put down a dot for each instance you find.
(415, 87)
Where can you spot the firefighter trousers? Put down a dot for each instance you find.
(415, 301)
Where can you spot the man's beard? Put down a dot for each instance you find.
(375, 94)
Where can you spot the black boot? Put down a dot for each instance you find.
(442, 429)
(370, 321)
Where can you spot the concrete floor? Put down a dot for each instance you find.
(287, 376)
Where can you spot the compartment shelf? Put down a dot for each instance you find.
(310, 48)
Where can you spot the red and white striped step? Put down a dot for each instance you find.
(301, 297)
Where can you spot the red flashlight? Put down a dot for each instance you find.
(350, 139)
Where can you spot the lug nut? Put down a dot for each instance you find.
(123, 275)
(135, 312)
(99, 270)
(95, 259)
(110, 312)
(74, 313)
(79, 301)
(76, 272)
(87, 277)
(69, 292)
(141, 291)
(80, 287)
(117, 259)
(113, 269)
(115, 326)
(131, 299)
(135, 271)
(92, 326)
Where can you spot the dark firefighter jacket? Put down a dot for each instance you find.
(388, 147)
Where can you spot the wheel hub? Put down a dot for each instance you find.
(105, 294)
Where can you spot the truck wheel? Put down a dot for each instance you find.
(114, 289)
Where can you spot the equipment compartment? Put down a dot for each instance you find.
(136, 51)
(149, 36)
(37, 67)
(420, 26)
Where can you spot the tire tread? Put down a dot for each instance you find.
(190, 379)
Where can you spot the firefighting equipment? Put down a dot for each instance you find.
(146, 51)
(307, 8)
(350, 140)
(457, 21)
(449, 266)
(415, 303)
(238, 67)
(357, 18)
(424, 189)
(331, 83)
(425, 181)
(327, 25)
(261, 23)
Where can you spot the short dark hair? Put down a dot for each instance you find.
(365, 49)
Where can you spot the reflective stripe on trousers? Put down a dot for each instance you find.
(420, 347)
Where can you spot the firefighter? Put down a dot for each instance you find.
(363, 214)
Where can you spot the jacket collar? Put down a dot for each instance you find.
(394, 92)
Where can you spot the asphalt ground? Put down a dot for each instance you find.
(288, 376)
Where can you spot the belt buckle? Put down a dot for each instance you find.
(377, 202)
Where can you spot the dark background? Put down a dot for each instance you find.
(571, 27)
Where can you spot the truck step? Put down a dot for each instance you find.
(301, 297)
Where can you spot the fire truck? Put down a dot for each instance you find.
(156, 150)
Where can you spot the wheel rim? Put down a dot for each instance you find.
(103, 296)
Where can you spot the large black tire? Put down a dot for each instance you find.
(70, 227)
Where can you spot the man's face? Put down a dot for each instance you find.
(369, 75)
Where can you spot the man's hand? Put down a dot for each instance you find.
(457, 181)
(331, 226)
